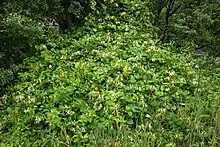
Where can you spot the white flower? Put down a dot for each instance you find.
(27, 110)
(37, 119)
(171, 73)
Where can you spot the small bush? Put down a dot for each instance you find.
(121, 78)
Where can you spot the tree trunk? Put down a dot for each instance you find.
(68, 20)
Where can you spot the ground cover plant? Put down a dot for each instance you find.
(111, 83)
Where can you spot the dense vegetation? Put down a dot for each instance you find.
(109, 73)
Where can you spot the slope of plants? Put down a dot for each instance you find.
(111, 73)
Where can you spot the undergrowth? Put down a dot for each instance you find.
(114, 86)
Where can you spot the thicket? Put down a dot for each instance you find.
(111, 73)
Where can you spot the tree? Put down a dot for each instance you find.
(188, 21)
(66, 13)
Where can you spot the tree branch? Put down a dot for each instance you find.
(175, 10)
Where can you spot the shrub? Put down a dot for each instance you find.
(18, 36)
(6, 78)
(110, 73)
(104, 78)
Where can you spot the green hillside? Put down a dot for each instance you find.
(111, 73)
